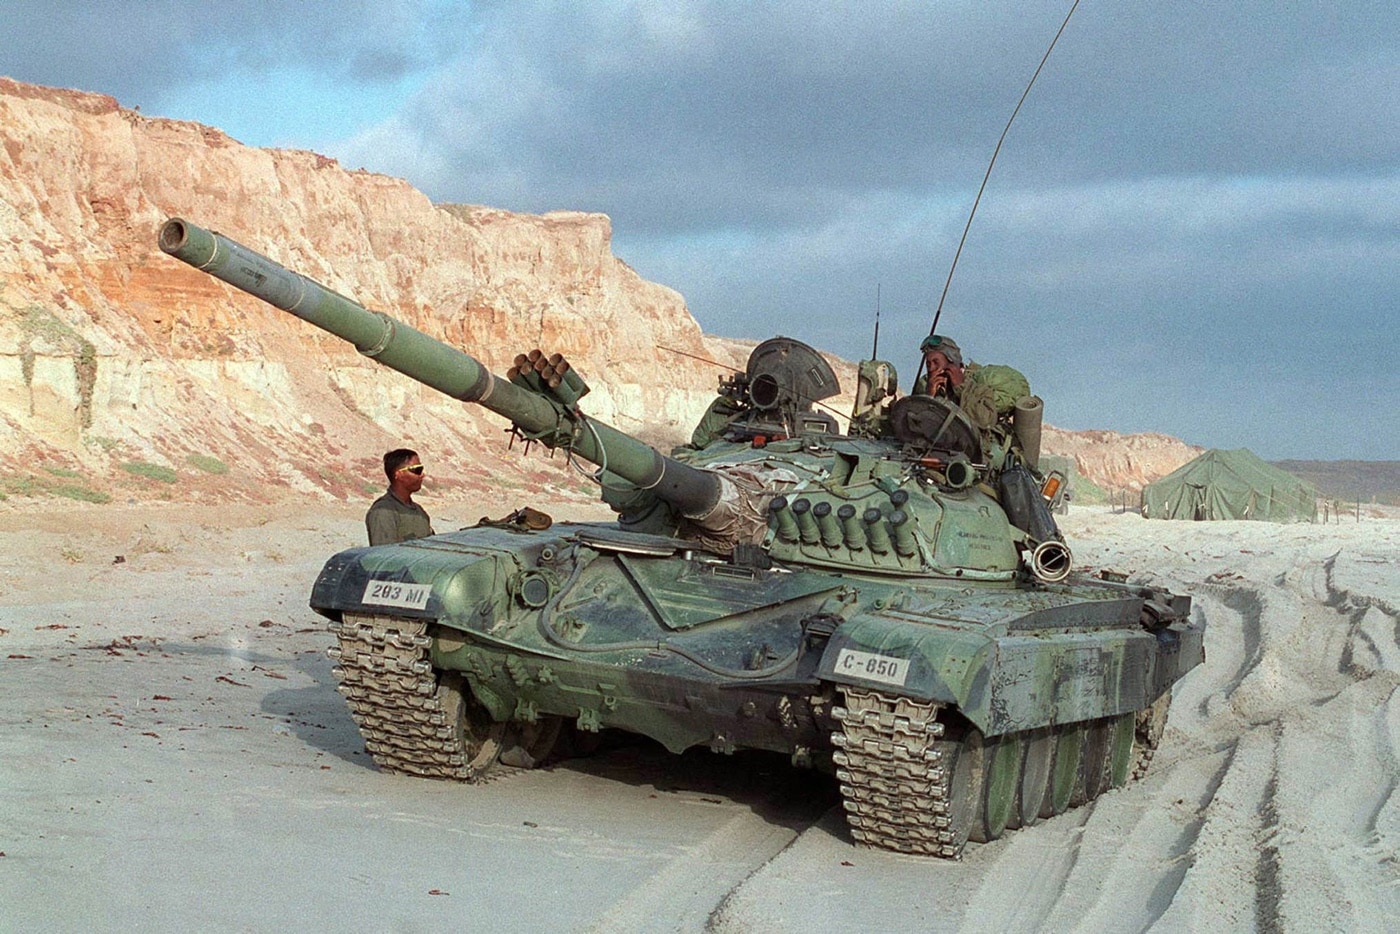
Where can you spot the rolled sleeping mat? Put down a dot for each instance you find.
(1026, 420)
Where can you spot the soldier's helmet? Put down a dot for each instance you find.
(945, 345)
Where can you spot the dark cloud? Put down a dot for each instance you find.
(1229, 314)
(1194, 225)
(138, 51)
(749, 115)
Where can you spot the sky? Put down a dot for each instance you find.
(1192, 226)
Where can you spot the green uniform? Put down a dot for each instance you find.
(988, 394)
(390, 520)
(716, 419)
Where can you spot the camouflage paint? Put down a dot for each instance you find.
(692, 651)
(652, 634)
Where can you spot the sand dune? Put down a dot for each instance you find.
(173, 755)
(1270, 805)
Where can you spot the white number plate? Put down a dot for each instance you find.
(872, 667)
(393, 593)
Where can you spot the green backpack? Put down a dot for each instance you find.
(1003, 386)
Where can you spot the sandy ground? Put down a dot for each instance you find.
(174, 756)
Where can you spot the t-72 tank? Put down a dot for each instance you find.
(896, 604)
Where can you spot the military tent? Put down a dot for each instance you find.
(1230, 485)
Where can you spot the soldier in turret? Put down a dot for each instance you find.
(987, 395)
(395, 517)
(943, 368)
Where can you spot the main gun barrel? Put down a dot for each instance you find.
(695, 493)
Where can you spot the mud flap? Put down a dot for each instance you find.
(893, 657)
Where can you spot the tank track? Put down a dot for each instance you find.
(907, 788)
(1151, 722)
(406, 716)
(893, 784)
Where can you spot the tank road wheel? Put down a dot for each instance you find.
(1150, 724)
(1000, 786)
(412, 721)
(1098, 736)
(1039, 752)
(475, 739)
(1064, 776)
(1120, 759)
(528, 745)
(903, 787)
(965, 761)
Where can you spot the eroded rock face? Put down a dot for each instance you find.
(111, 352)
(1120, 462)
(125, 373)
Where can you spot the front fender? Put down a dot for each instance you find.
(923, 660)
(1008, 680)
(427, 578)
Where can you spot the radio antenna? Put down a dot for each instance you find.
(875, 350)
(933, 328)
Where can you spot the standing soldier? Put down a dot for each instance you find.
(395, 517)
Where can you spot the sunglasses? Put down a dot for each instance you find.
(416, 468)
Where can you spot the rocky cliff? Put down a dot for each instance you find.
(125, 374)
(1120, 463)
(119, 366)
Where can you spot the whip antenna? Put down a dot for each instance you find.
(978, 200)
(875, 350)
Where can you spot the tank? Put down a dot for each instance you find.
(894, 604)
